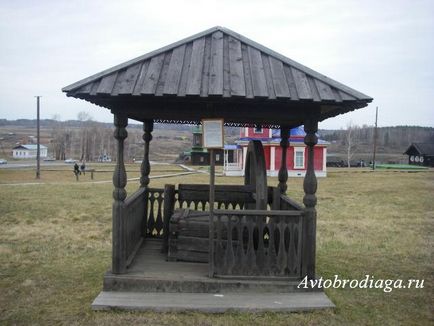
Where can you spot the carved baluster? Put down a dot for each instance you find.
(309, 200)
(119, 194)
(283, 171)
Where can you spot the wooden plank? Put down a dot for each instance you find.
(281, 87)
(86, 89)
(126, 85)
(163, 74)
(258, 77)
(291, 83)
(193, 244)
(247, 71)
(336, 95)
(107, 84)
(312, 86)
(324, 90)
(174, 71)
(226, 69)
(216, 67)
(206, 66)
(291, 204)
(237, 82)
(141, 77)
(194, 78)
(118, 82)
(182, 89)
(268, 77)
(346, 96)
(94, 87)
(152, 74)
(302, 84)
(255, 212)
(192, 256)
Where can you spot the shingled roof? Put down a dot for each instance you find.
(421, 148)
(215, 65)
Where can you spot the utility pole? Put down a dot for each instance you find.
(375, 138)
(38, 146)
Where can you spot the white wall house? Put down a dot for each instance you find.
(28, 151)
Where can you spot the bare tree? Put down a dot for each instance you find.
(60, 138)
(350, 142)
(85, 119)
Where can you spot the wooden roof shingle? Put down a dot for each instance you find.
(218, 63)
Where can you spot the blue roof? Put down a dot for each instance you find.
(231, 146)
(294, 132)
(295, 135)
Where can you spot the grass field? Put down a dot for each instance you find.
(55, 245)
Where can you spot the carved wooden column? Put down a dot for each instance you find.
(283, 171)
(148, 127)
(119, 194)
(309, 200)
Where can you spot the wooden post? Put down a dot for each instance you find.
(38, 141)
(148, 127)
(283, 171)
(145, 169)
(169, 207)
(211, 211)
(119, 258)
(309, 200)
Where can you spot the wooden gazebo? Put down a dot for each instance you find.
(262, 239)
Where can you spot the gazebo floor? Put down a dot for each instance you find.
(152, 283)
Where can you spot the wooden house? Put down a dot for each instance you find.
(420, 154)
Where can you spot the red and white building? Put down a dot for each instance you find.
(296, 157)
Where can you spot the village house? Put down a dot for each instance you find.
(270, 138)
(421, 154)
(29, 151)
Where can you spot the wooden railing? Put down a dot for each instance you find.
(257, 243)
(134, 219)
(196, 196)
(287, 203)
(193, 196)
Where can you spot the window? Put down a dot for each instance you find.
(217, 157)
(299, 158)
(258, 130)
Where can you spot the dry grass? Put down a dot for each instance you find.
(55, 247)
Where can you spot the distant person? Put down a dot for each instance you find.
(76, 169)
(83, 168)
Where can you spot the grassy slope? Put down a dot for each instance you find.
(55, 247)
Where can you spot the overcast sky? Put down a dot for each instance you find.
(384, 49)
